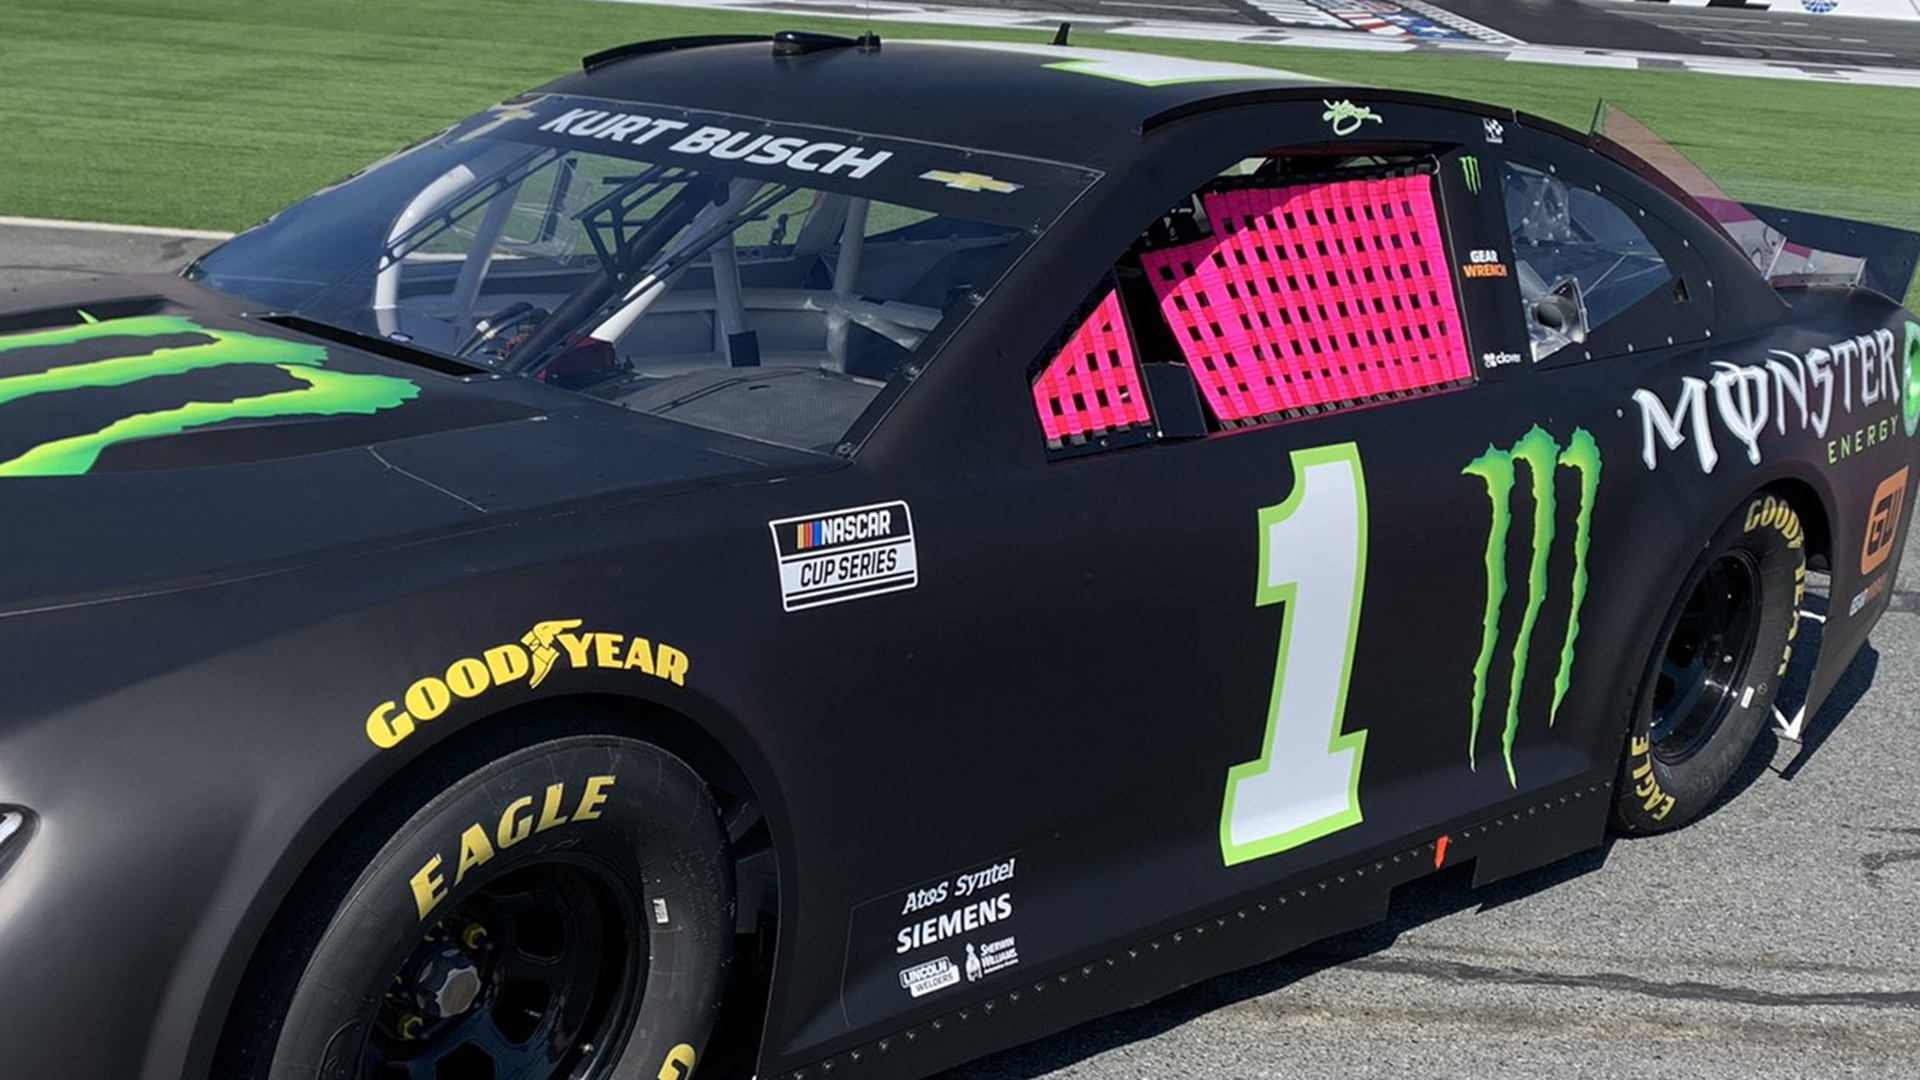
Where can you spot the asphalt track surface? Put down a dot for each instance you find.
(1779, 936)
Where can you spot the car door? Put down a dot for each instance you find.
(1259, 625)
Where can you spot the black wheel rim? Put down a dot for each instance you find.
(1702, 665)
(532, 977)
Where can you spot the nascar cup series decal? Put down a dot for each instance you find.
(848, 554)
(935, 936)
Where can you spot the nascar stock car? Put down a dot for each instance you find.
(476, 625)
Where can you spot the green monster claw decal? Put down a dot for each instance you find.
(326, 393)
(1913, 379)
(1470, 169)
(1543, 457)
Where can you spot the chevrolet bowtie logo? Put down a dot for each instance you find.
(970, 181)
(503, 114)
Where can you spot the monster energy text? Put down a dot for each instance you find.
(1543, 457)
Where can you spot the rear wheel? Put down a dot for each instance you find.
(563, 912)
(1716, 668)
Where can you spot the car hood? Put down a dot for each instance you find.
(154, 434)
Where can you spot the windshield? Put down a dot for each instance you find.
(769, 281)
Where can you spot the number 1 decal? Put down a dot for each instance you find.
(1313, 558)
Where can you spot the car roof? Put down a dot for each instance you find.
(1059, 103)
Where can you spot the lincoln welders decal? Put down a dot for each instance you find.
(838, 555)
(539, 651)
(934, 936)
(1497, 469)
(115, 360)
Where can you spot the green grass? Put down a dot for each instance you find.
(213, 113)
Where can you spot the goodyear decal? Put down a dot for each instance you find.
(550, 645)
(121, 361)
(1543, 457)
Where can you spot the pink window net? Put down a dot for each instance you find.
(1092, 386)
(1314, 295)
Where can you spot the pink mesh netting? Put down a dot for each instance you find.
(1314, 294)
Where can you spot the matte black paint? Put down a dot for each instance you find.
(192, 652)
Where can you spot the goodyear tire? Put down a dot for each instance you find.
(563, 911)
(1715, 669)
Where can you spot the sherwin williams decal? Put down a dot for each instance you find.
(1313, 559)
(1543, 457)
(535, 656)
(325, 393)
(1912, 379)
(840, 555)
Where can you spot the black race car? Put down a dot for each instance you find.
(475, 626)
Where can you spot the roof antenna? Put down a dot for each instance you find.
(1060, 35)
(869, 41)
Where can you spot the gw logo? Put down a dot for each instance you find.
(1544, 457)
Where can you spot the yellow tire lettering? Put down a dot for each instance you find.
(550, 816)
(468, 678)
(475, 851)
(606, 650)
(385, 729)
(673, 665)
(640, 655)
(513, 827)
(507, 663)
(428, 698)
(429, 887)
(593, 798)
(678, 1064)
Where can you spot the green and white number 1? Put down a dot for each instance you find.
(1313, 559)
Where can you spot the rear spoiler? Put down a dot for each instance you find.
(1787, 246)
(1891, 255)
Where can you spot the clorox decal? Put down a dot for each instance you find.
(847, 554)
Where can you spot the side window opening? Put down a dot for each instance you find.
(1581, 260)
(1284, 293)
(1092, 387)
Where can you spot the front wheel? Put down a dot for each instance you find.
(563, 912)
(1716, 668)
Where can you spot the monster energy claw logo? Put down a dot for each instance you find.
(1470, 168)
(318, 391)
(1543, 457)
(1912, 403)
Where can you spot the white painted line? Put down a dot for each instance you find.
(1822, 50)
(1157, 7)
(109, 227)
(1527, 54)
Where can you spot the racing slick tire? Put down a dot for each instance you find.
(1716, 667)
(565, 910)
